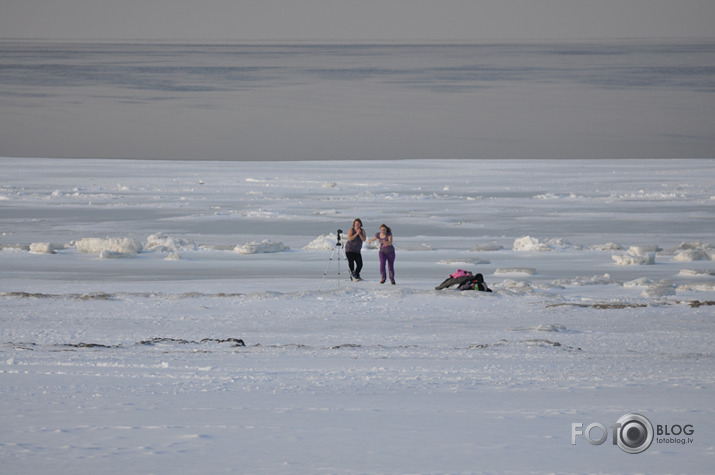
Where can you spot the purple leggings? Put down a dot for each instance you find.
(390, 260)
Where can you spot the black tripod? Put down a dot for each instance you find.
(338, 248)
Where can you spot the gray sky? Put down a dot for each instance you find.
(461, 20)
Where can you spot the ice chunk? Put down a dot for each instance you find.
(42, 248)
(633, 258)
(693, 251)
(263, 247)
(659, 289)
(323, 243)
(163, 243)
(528, 243)
(109, 247)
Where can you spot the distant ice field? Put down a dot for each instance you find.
(439, 210)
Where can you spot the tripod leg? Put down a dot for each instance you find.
(339, 252)
(330, 261)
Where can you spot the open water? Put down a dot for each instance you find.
(617, 99)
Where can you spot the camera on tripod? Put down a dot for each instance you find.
(338, 249)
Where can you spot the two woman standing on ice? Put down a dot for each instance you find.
(356, 236)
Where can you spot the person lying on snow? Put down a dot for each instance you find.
(464, 280)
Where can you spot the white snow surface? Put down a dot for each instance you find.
(225, 337)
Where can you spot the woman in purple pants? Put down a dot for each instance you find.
(387, 252)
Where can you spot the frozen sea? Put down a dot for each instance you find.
(195, 316)
(572, 100)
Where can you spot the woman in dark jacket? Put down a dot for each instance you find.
(356, 236)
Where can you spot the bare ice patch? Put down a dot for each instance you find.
(515, 271)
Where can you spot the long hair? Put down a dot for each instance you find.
(387, 228)
(358, 220)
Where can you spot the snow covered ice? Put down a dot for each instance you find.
(166, 317)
